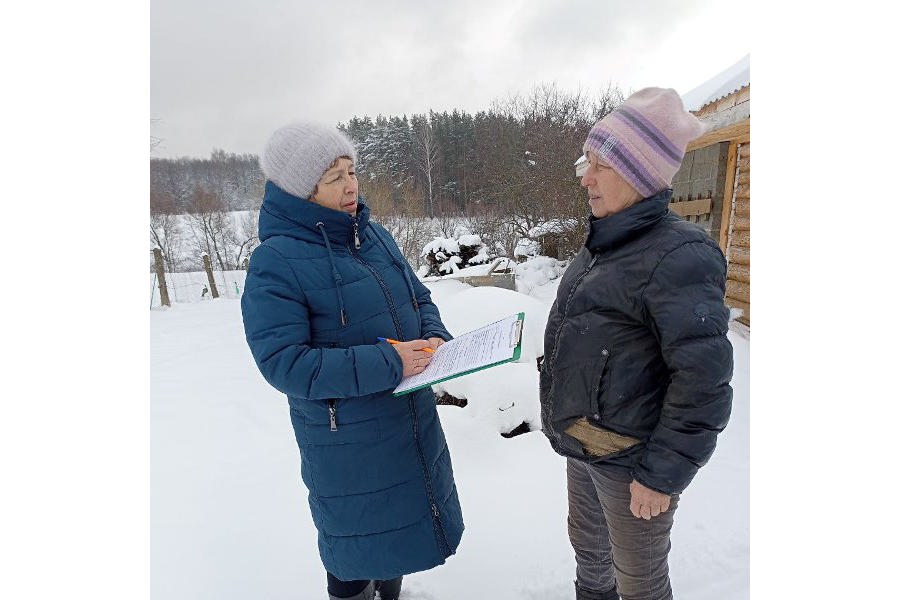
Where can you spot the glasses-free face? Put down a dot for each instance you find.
(338, 188)
(608, 192)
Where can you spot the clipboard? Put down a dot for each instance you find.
(488, 346)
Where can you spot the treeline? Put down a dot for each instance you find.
(504, 170)
(180, 184)
(193, 204)
(510, 165)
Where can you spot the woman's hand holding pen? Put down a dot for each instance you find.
(414, 356)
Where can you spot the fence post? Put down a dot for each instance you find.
(207, 265)
(161, 277)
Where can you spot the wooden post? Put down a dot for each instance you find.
(161, 277)
(207, 265)
(728, 196)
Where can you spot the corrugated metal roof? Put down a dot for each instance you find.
(731, 79)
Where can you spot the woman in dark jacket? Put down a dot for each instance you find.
(637, 365)
(323, 286)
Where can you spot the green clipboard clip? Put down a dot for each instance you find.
(515, 341)
(516, 338)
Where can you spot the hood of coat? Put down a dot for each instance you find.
(618, 228)
(285, 214)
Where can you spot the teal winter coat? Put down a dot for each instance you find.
(320, 289)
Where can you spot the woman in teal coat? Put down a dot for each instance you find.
(323, 286)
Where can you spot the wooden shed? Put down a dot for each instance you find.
(712, 188)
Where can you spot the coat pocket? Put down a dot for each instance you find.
(575, 388)
(338, 431)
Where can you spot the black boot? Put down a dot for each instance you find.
(582, 593)
(390, 589)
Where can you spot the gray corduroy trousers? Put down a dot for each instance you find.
(613, 548)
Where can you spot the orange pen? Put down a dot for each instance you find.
(390, 341)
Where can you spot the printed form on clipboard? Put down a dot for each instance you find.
(482, 348)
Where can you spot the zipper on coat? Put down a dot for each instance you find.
(332, 415)
(550, 363)
(562, 321)
(385, 291)
(356, 233)
(439, 535)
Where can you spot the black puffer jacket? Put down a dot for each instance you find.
(636, 342)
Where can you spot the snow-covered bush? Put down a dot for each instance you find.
(448, 255)
(538, 270)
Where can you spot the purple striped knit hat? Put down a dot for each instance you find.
(644, 138)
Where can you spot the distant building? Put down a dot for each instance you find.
(554, 236)
(712, 188)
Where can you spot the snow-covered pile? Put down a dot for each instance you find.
(450, 255)
(441, 246)
(538, 271)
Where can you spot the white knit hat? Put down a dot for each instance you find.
(297, 155)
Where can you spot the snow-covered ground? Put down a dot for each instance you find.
(228, 512)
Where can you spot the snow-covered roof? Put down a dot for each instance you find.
(552, 226)
(731, 79)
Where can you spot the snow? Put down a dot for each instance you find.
(482, 257)
(448, 245)
(552, 226)
(532, 276)
(539, 271)
(526, 247)
(188, 287)
(733, 78)
(229, 517)
(503, 397)
(469, 240)
(451, 265)
(473, 271)
(461, 230)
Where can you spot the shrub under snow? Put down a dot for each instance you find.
(448, 255)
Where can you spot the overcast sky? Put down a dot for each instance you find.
(225, 74)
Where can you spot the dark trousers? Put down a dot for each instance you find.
(613, 548)
(345, 589)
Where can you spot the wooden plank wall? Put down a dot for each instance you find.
(737, 290)
(692, 210)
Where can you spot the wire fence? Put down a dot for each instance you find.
(194, 286)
